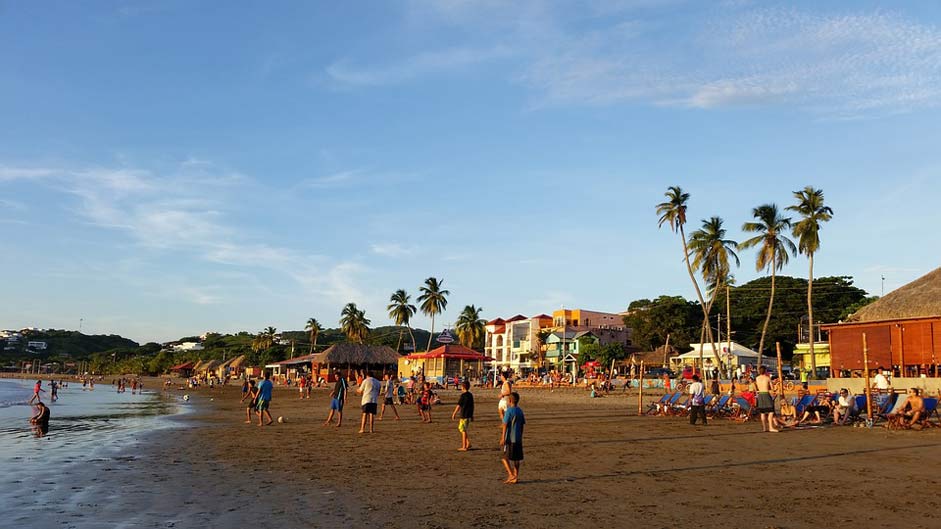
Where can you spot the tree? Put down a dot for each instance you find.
(401, 311)
(652, 321)
(470, 327)
(712, 254)
(354, 324)
(433, 300)
(774, 250)
(812, 213)
(313, 326)
(587, 351)
(609, 353)
(673, 212)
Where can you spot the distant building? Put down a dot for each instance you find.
(513, 342)
(36, 346)
(188, 346)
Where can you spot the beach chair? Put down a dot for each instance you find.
(667, 407)
(894, 417)
(654, 407)
(744, 412)
(680, 408)
(883, 410)
(931, 410)
(802, 404)
(719, 407)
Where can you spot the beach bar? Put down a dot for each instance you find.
(447, 361)
(354, 357)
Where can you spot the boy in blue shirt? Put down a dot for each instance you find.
(511, 440)
(264, 400)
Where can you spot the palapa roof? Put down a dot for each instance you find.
(303, 359)
(455, 351)
(208, 365)
(357, 353)
(183, 366)
(919, 299)
(232, 362)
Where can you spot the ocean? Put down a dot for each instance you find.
(86, 428)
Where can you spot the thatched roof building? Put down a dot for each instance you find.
(902, 331)
(919, 299)
(357, 354)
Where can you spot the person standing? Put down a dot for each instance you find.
(511, 438)
(389, 394)
(465, 407)
(697, 398)
(764, 401)
(505, 389)
(37, 389)
(369, 389)
(424, 402)
(54, 388)
(337, 399)
(264, 401)
(250, 394)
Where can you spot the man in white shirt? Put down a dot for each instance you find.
(880, 382)
(369, 389)
(697, 397)
(845, 407)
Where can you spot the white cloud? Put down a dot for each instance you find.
(417, 65)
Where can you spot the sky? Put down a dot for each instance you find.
(174, 167)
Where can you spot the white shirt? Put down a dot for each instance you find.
(881, 381)
(846, 402)
(370, 389)
(697, 390)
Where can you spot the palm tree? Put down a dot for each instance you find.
(813, 212)
(401, 312)
(354, 324)
(673, 212)
(711, 255)
(433, 301)
(314, 327)
(774, 250)
(470, 327)
(264, 339)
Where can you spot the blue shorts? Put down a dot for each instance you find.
(336, 404)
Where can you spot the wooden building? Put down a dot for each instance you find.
(903, 331)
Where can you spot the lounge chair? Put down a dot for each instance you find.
(895, 417)
(802, 404)
(719, 407)
(931, 409)
(680, 408)
(654, 407)
(745, 410)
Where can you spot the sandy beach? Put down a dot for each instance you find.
(587, 461)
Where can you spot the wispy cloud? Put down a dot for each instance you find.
(390, 249)
(347, 73)
(330, 180)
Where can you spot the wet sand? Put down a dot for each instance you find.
(588, 462)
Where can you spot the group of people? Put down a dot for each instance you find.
(257, 399)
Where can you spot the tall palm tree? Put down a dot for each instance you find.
(264, 339)
(313, 326)
(401, 311)
(712, 255)
(354, 324)
(774, 250)
(812, 213)
(470, 327)
(433, 300)
(673, 212)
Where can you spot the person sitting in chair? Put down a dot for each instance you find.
(819, 409)
(913, 409)
(845, 407)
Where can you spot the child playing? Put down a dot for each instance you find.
(424, 402)
(465, 406)
(511, 439)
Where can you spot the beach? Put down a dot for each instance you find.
(587, 462)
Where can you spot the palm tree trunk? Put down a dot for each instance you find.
(712, 301)
(311, 343)
(702, 303)
(414, 345)
(702, 334)
(810, 317)
(764, 328)
(430, 336)
(398, 345)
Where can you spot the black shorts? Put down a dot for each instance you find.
(389, 401)
(369, 408)
(513, 451)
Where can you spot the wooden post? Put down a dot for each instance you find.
(866, 373)
(640, 390)
(777, 346)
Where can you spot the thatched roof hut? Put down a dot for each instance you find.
(919, 299)
(357, 354)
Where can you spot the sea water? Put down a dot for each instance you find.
(86, 427)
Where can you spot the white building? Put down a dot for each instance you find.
(37, 346)
(188, 346)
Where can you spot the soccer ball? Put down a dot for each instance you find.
(282, 420)
(186, 397)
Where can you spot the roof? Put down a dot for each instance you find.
(455, 351)
(722, 348)
(181, 367)
(518, 317)
(297, 360)
(919, 299)
(496, 321)
(357, 353)
(542, 317)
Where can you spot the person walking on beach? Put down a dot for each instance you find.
(511, 438)
(764, 402)
(251, 395)
(697, 398)
(369, 389)
(389, 394)
(41, 419)
(465, 407)
(37, 389)
(264, 401)
(337, 399)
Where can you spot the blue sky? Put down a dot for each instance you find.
(168, 168)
